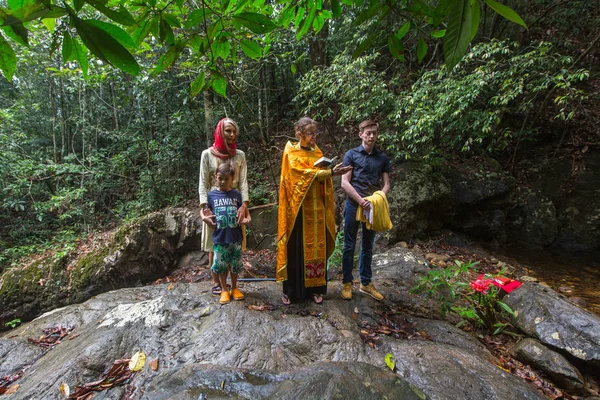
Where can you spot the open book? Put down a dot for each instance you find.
(325, 162)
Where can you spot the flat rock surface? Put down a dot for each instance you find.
(302, 351)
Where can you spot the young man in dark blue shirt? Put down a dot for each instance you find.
(370, 173)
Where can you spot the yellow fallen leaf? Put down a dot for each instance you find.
(12, 389)
(137, 361)
(65, 390)
(171, 286)
(154, 364)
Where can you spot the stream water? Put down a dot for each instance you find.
(571, 275)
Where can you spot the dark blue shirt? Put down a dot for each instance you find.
(225, 206)
(367, 169)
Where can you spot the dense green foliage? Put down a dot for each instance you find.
(85, 146)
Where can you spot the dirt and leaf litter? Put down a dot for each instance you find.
(52, 336)
(119, 373)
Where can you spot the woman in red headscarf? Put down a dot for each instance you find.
(223, 149)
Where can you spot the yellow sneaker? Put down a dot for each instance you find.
(371, 291)
(237, 294)
(225, 297)
(347, 291)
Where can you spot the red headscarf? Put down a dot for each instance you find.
(220, 148)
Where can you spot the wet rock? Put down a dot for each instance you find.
(300, 351)
(533, 353)
(542, 313)
(321, 380)
(531, 218)
(262, 232)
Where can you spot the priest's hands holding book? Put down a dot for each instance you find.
(340, 169)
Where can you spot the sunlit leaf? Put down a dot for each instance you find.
(390, 361)
(438, 34)
(305, 24)
(293, 68)
(219, 84)
(287, 15)
(49, 23)
(80, 55)
(318, 23)
(458, 33)
(17, 32)
(251, 49)
(137, 361)
(197, 84)
(506, 12)
(8, 59)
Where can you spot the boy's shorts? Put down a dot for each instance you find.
(227, 255)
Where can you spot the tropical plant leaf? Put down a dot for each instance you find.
(251, 49)
(120, 15)
(318, 23)
(336, 9)
(143, 31)
(305, 24)
(458, 33)
(80, 55)
(165, 32)
(105, 47)
(197, 17)
(197, 84)
(438, 34)
(365, 45)
(396, 48)
(506, 12)
(287, 15)
(49, 23)
(219, 84)
(506, 307)
(476, 9)
(8, 59)
(114, 31)
(293, 68)
(17, 32)
(368, 13)
(421, 50)
(403, 30)
(257, 23)
(67, 47)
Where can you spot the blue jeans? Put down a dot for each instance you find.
(366, 251)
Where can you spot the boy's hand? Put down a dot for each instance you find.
(241, 213)
(210, 220)
(246, 220)
(365, 205)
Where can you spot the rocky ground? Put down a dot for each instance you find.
(258, 348)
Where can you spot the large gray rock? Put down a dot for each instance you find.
(141, 251)
(236, 352)
(542, 313)
(420, 200)
(531, 352)
(531, 218)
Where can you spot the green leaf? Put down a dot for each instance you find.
(172, 20)
(78, 4)
(506, 12)
(251, 49)
(318, 23)
(81, 57)
(293, 68)
(219, 84)
(306, 24)
(8, 59)
(17, 32)
(458, 33)
(476, 11)
(421, 49)
(403, 31)
(257, 23)
(197, 84)
(365, 45)
(67, 47)
(438, 34)
(390, 361)
(105, 47)
(325, 14)
(16, 4)
(336, 9)
(49, 23)
(121, 15)
(165, 32)
(506, 307)
(396, 48)
(299, 16)
(368, 13)
(143, 31)
(287, 15)
(197, 17)
(114, 31)
(221, 48)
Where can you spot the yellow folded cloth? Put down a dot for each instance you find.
(380, 211)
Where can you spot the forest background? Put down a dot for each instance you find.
(105, 106)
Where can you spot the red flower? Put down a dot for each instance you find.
(480, 284)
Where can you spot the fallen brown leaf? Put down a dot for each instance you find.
(154, 364)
